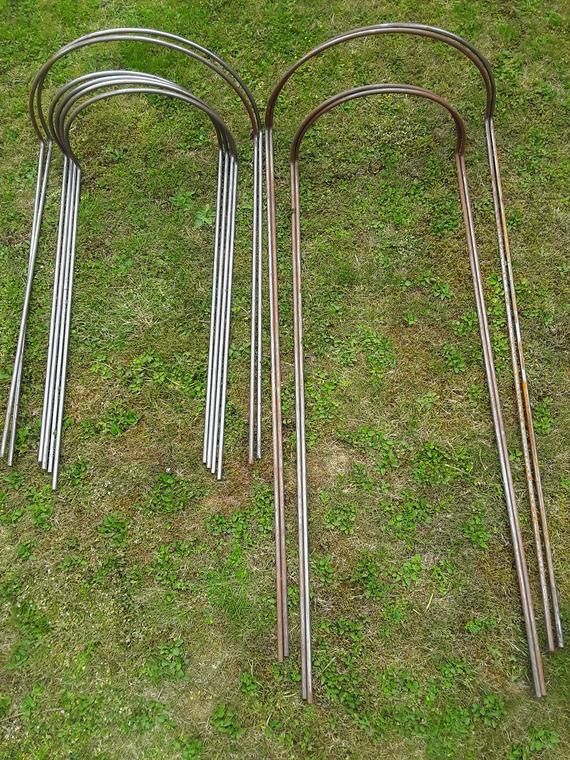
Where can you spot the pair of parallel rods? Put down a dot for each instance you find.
(216, 64)
(540, 527)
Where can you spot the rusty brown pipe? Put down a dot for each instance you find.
(302, 505)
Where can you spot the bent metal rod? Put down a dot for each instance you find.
(519, 554)
(63, 276)
(200, 54)
(534, 487)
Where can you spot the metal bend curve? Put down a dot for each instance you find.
(191, 44)
(35, 98)
(377, 89)
(75, 89)
(421, 30)
(174, 93)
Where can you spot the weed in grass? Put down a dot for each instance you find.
(323, 569)
(543, 416)
(435, 466)
(24, 550)
(165, 568)
(338, 516)
(168, 663)
(537, 742)
(76, 472)
(183, 200)
(249, 685)
(479, 625)
(490, 710)
(205, 217)
(376, 444)
(406, 517)
(189, 749)
(226, 721)
(114, 529)
(409, 571)
(453, 359)
(443, 574)
(378, 350)
(115, 422)
(32, 625)
(40, 506)
(147, 715)
(475, 530)
(5, 703)
(366, 575)
(171, 493)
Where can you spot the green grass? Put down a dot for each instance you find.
(137, 603)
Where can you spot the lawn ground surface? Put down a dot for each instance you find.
(137, 607)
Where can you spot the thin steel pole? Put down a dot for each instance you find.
(259, 142)
(61, 400)
(277, 427)
(302, 511)
(56, 274)
(60, 324)
(213, 313)
(10, 424)
(213, 433)
(56, 313)
(254, 325)
(223, 322)
(228, 318)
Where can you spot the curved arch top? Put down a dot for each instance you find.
(420, 30)
(162, 39)
(66, 96)
(377, 89)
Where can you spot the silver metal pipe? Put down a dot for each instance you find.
(10, 424)
(225, 317)
(227, 320)
(254, 291)
(56, 312)
(259, 288)
(60, 323)
(67, 324)
(213, 312)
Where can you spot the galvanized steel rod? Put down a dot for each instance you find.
(116, 78)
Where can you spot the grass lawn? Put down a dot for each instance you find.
(137, 603)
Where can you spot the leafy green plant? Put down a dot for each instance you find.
(543, 416)
(171, 493)
(168, 662)
(452, 359)
(366, 575)
(114, 528)
(340, 516)
(40, 506)
(323, 569)
(409, 571)
(225, 720)
(490, 710)
(474, 529)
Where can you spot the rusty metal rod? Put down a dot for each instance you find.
(534, 487)
(519, 555)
